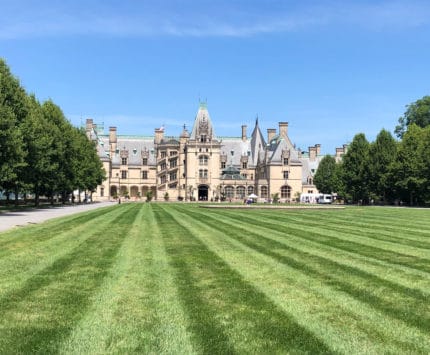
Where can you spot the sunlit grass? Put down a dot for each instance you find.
(176, 278)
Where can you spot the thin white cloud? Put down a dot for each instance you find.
(63, 18)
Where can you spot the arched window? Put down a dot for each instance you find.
(250, 190)
(240, 192)
(286, 192)
(263, 193)
(203, 160)
(310, 181)
(229, 191)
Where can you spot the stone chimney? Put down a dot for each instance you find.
(88, 127)
(283, 129)
(159, 134)
(112, 135)
(271, 132)
(339, 153)
(312, 153)
(318, 148)
(112, 140)
(244, 133)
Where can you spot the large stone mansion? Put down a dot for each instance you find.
(203, 167)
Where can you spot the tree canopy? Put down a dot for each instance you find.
(41, 153)
(417, 113)
(326, 179)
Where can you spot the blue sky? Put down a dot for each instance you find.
(330, 68)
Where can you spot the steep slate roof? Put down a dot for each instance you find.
(135, 146)
(279, 144)
(308, 165)
(258, 144)
(239, 148)
(202, 124)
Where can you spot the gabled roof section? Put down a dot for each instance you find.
(202, 124)
(257, 142)
(277, 145)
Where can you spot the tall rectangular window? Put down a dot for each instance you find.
(123, 161)
(144, 175)
(286, 174)
(223, 165)
(145, 161)
(123, 174)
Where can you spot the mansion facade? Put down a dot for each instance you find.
(199, 166)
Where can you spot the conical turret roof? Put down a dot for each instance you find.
(202, 124)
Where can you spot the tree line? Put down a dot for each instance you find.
(387, 170)
(41, 152)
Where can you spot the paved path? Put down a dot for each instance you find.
(13, 219)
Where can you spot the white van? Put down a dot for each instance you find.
(325, 198)
(316, 198)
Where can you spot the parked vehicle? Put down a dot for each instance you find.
(316, 198)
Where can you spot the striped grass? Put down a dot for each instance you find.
(175, 278)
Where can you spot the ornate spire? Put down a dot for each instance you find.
(202, 124)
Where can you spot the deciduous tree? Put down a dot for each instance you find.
(355, 169)
(416, 113)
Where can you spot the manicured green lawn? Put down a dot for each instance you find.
(175, 278)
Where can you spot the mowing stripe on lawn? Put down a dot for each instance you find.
(44, 311)
(420, 239)
(318, 242)
(359, 244)
(402, 275)
(410, 339)
(136, 309)
(27, 257)
(226, 313)
(392, 299)
(46, 230)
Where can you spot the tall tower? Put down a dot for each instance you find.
(203, 158)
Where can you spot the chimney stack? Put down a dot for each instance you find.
(159, 134)
(283, 129)
(88, 127)
(112, 140)
(271, 132)
(312, 153)
(112, 135)
(244, 133)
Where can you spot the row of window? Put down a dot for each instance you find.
(172, 177)
(203, 160)
(240, 191)
(203, 174)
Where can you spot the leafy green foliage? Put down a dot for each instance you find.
(411, 167)
(417, 113)
(355, 169)
(40, 151)
(382, 155)
(326, 178)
